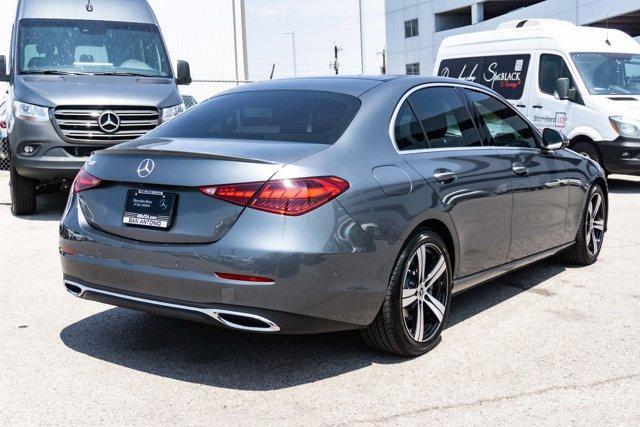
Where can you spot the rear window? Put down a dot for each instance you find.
(278, 115)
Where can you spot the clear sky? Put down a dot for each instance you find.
(318, 25)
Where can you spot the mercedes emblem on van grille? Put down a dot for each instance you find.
(109, 122)
(145, 168)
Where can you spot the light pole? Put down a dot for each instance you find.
(361, 38)
(293, 49)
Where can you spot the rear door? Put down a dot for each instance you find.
(540, 191)
(437, 137)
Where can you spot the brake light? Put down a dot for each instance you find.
(84, 181)
(3, 124)
(290, 197)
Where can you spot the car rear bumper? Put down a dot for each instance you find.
(332, 280)
(621, 156)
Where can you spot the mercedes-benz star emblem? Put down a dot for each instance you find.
(145, 168)
(109, 122)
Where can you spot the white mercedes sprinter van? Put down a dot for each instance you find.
(582, 81)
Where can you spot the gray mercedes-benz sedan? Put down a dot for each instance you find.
(324, 204)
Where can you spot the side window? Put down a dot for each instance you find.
(409, 135)
(552, 67)
(444, 118)
(501, 122)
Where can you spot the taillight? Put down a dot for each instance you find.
(3, 124)
(284, 196)
(84, 181)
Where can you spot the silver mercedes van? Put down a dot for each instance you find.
(83, 75)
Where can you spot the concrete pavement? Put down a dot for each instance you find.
(545, 345)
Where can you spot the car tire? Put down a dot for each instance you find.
(396, 328)
(23, 193)
(591, 231)
(588, 149)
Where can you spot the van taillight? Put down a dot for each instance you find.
(84, 181)
(290, 197)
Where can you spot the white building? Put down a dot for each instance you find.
(415, 28)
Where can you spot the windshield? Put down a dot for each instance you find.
(609, 73)
(91, 47)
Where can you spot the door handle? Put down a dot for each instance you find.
(521, 106)
(444, 175)
(537, 106)
(519, 168)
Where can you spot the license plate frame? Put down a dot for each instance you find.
(152, 209)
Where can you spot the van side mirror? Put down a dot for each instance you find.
(564, 91)
(553, 140)
(184, 73)
(4, 76)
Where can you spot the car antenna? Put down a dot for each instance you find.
(89, 6)
(607, 41)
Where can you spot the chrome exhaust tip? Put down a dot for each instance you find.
(244, 321)
(74, 289)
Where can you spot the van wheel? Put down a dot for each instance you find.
(591, 231)
(23, 193)
(589, 150)
(416, 305)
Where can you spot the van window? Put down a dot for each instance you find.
(506, 74)
(444, 118)
(501, 122)
(408, 133)
(266, 115)
(552, 67)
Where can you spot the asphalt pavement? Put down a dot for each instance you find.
(548, 344)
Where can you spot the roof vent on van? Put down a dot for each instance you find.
(531, 23)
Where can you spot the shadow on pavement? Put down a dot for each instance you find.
(50, 207)
(208, 355)
(619, 185)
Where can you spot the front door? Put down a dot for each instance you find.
(470, 179)
(545, 110)
(538, 178)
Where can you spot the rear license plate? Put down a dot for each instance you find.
(149, 208)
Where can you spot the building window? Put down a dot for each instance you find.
(410, 28)
(413, 69)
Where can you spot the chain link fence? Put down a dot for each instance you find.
(4, 154)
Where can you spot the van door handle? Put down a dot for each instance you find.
(521, 106)
(519, 169)
(537, 106)
(444, 175)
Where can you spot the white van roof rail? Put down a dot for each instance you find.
(534, 23)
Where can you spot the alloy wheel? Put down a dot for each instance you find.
(424, 292)
(595, 224)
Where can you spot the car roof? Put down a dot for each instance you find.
(349, 85)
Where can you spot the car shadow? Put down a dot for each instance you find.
(207, 355)
(621, 184)
(50, 207)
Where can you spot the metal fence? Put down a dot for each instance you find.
(4, 155)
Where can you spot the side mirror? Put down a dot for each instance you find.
(4, 76)
(563, 90)
(184, 73)
(553, 140)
